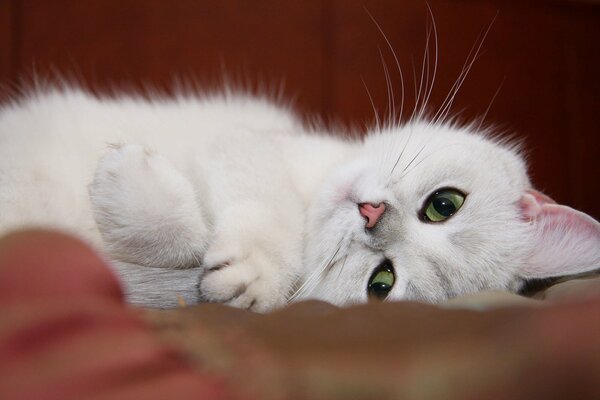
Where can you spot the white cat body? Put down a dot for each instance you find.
(233, 190)
(60, 135)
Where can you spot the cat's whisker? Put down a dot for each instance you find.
(411, 131)
(425, 142)
(342, 267)
(315, 275)
(310, 281)
(435, 64)
(391, 107)
(389, 44)
(331, 262)
(418, 99)
(471, 58)
(414, 158)
(487, 110)
(403, 150)
(377, 120)
(456, 83)
(443, 112)
(414, 73)
(427, 69)
(425, 158)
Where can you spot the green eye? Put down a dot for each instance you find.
(442, 204)
(382, 281)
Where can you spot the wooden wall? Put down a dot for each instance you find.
(543, 54)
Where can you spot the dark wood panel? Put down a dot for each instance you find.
(582, 157)
(134, 41)
(6, 41)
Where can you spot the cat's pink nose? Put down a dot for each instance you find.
(371, 212)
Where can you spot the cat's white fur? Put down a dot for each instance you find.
(232, 193)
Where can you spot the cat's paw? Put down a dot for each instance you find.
(146, 210)
(241, 283)
(136, 171)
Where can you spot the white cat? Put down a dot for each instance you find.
(232, 194)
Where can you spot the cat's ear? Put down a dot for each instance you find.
(564, 241)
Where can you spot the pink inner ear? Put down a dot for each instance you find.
(565, 241)
(532, 202)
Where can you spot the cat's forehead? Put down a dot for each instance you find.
(423, 141)
(425, 156)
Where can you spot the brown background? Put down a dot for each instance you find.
(544, 54)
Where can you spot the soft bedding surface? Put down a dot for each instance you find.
(66, 333)
(520, 348)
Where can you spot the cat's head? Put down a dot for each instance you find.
(428, 212)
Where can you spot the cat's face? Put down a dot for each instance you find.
(451, 221)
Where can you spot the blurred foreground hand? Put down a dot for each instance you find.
(65, 332)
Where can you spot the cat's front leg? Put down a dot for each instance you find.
(146, 210)
(254, 258)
